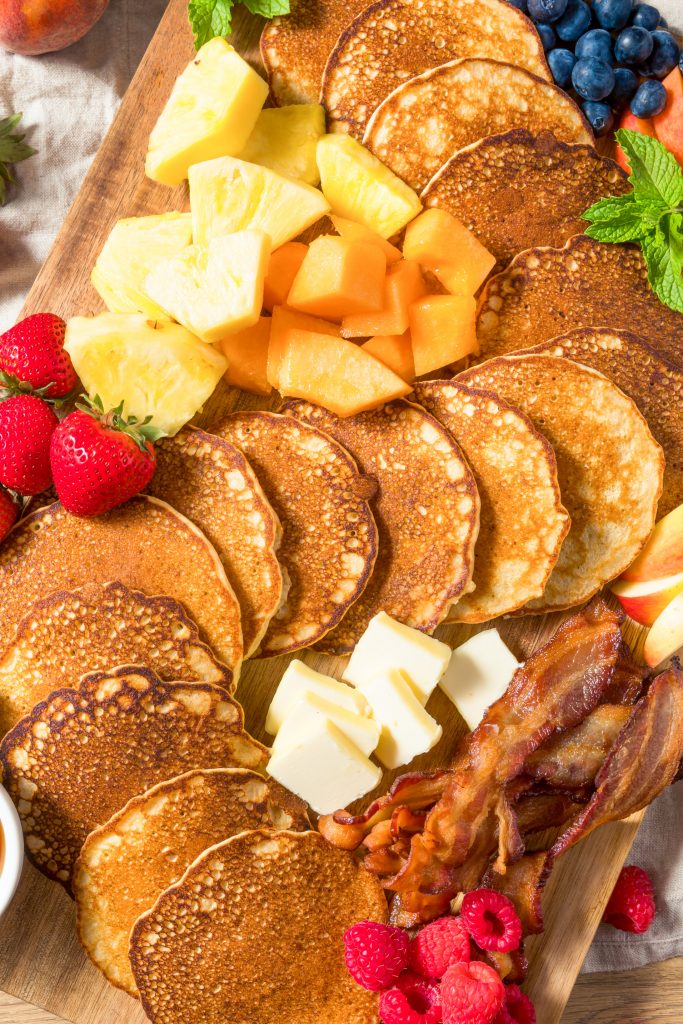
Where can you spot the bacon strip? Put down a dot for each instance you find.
(572, 760)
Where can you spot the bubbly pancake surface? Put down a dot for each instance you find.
(430, 117)
(530, 189)
(79, 756)
(71, 633)
(427, 511)
(523, 521)
(128, 862)
(609, 466)
(254, 932)
(329, 542)
(209, 481)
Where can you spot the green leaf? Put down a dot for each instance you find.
(624, 218)
(663, 253)
(12, 151)
(655, 172)
(210, 18)
(267, 8)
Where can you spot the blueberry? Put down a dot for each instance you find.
(547, 10)
(663, 23)
(649, 99)
(593, 79)
(595, 43)
(633, 45)
(625, 84)
(574, 22)
(612, 13)
(561, 63)
(645, 16)
(664, 56)
(548, 37)
(519, 4)
(599, 117)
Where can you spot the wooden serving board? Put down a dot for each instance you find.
(40, 957)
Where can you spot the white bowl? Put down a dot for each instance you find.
(12, 858)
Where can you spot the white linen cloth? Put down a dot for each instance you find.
(68, 100)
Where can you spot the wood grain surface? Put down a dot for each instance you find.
(40, 958)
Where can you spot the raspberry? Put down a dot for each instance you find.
(518, 1008)
(413, 1001)
(471, 994)
(375, 954)
(631, 907)
(438, 945)
(491, 920)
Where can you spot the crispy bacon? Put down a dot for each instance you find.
(571, 760)
(628, 679)
(523, 883)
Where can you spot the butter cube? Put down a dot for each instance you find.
(304, 713)
(479, 673)
(299, 680)
(407, 729)
(324, 768)
(388, 644)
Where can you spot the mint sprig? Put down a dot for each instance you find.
(13, 150)
(211, 18)
(651, 215)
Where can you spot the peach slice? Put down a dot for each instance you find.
(645, 126)
(247, 355)
(668, 125)
(666, 635)
(662, 556)
(644, 601)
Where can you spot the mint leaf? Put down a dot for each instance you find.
(623, 218)
(210, 18)
(268, 8)
(13, 150)
(655, 172)
(664, 257)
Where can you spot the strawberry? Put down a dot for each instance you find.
(99, 460)
(9, 512)
(26, 427)
(32, 355)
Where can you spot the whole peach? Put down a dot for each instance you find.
(31, 27)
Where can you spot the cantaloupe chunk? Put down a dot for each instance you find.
(668, 125)
(283, 266)
(283, 321)
(247, 355)
(355, 232)
(403, 285)
(338, 277)
(336, 374)
(442, 329)
(228, 195)
(396, 352)
(211, 112)
(438, 240)
(285, 139)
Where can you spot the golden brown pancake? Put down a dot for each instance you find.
(609, 466)
(329, 543)
(427, 119)
(126, 864)
(546, 292)
(254, 931)
(79, 756)
(295, 47)
(144, 544)
(530, 189)
(393, 40)
(655, 385)
(70, 633)
(209, 480)
(523, 522)
(427, 512)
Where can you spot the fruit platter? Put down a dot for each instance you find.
(341, 572)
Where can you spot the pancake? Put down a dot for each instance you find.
(427, 512)
(144, 544)
(329, 541)
(429, 118)
(209, 481)
(295, 47)
(609, 466)
(530, 189)
(70, 633)
(546, 292)
(393, 40)
(254, 931)
(79, 756)
(655, 385)
(126, 864)
(523, 521)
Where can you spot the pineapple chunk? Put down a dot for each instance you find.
(133, 248)
(156, 368)
(229, 195)
(214, 289)
(285, 139)
(211, 112)
(359, 187)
